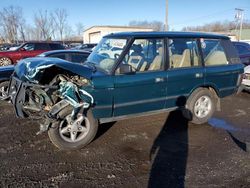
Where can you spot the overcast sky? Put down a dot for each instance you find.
(120, 12)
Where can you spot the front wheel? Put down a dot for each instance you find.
(201, 105)
(5, 61)
(68, 134)
(4, 89)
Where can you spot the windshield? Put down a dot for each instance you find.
(106, 53)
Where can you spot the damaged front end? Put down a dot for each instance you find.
(42, 87)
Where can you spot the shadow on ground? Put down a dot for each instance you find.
(103, 128)
(169, 153)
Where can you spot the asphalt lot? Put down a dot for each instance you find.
(155, 151)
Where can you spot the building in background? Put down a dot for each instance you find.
(245, 35)
(94, 34)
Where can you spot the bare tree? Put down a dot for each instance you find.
(79, 28)
(31, 33)
(68, 31)
(60, 18)
(44, 23)
(155, 25)
(217, 26)
(11, 20)
(22, 30)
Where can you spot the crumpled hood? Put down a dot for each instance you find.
(28, 69)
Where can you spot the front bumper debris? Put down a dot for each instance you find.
(17, 93)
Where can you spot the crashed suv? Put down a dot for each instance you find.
(126, 75)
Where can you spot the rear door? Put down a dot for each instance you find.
(185, 70)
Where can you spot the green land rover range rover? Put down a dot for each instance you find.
(126, 75)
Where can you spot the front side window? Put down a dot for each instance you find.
(183, 52)
(145, 55)
(213, 52)
(29, 47)
(106, 53)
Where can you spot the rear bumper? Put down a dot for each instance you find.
(245, 84)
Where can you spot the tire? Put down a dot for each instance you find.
(62, 133)
(200, 105)
(3, 89)
(5, 61)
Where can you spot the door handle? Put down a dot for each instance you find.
(159, 80)
(198, 75)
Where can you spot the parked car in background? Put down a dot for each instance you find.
(5, 73)
(152, 72)
(86, 47)
(246, 79)
(243, 49)
(5, 47)
(29, 49)
(75, 56)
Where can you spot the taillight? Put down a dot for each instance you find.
(244, 76)
(240, 78)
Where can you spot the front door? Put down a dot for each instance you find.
(143, 90)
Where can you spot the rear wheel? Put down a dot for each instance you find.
(201, 105)
(4, 61)
(68, 134)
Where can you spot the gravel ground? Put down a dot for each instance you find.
(155, 151)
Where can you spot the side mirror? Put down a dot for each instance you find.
(126, 69)
(22, 49)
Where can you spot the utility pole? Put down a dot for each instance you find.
(239, 17)
(166, 18)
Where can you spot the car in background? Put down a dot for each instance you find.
(246, 79)
(5, 73)
(29, 49)
(75, 56)
(86, 47)
(7, 46)
(243, 49)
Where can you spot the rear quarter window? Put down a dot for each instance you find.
(78, 57)
(231, 52)
(213, 52)
(59, 55)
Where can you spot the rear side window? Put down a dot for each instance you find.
(183, 52)
(42, 46)
(213, 52)
(56, 46)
